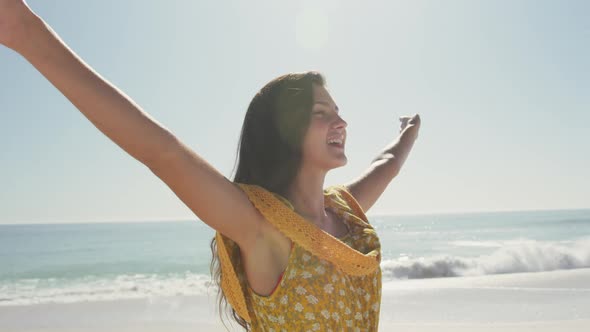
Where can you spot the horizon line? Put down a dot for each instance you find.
(112, 221)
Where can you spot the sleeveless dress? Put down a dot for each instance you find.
(313, 294)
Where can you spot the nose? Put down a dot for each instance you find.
(340, 123)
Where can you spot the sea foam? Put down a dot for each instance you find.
(521, 255)
(55, 290)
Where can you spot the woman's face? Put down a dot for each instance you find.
(325, 125)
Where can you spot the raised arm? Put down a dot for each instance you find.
(371, 184)
(212, 197)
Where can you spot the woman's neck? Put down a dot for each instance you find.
(306, 193)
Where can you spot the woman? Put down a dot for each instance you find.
(281, 219)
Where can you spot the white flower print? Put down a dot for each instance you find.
(320, 269)
(335, 316)
(312, 299)
(316, 326)
(347, 311)
(306, 275)
(340, 304)
(358, 316)
(306, 257)
(349, 323)
(356, 329)
(358, 304)
(325, 313)
(271, 330)
(367, 297)
(342, 292)
(375, 306)
(366, 314)
(328, 288)
(284, 299)
(300, 290)
(334, 278)
(299, 307)
(309, 316)
(272, 305)
(375, 282)
(292, 274)
(281, 320)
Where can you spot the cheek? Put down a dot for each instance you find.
(316, 137)
(314, 144)
(318, 129)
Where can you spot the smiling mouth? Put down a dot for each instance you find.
(336, 140)
(336, 145)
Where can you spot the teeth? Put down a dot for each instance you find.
(335, 141)
(339, 140)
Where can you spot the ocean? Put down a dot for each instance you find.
(64, 263)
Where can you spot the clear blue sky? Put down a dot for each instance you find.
(502, 88)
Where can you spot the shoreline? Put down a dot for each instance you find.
(539, 301)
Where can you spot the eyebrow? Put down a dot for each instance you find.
(326, 104)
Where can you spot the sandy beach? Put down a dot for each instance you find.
(544, 301)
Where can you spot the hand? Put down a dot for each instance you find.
(410, 122)
(14, 16)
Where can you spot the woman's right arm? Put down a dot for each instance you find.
(212, 197)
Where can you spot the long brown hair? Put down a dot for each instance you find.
(269, 152)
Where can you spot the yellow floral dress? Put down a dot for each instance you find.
(313, 294)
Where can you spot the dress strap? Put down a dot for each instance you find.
(309, 236)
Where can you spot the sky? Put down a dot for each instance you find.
(502, 89)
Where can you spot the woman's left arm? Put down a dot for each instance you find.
(367, 188)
